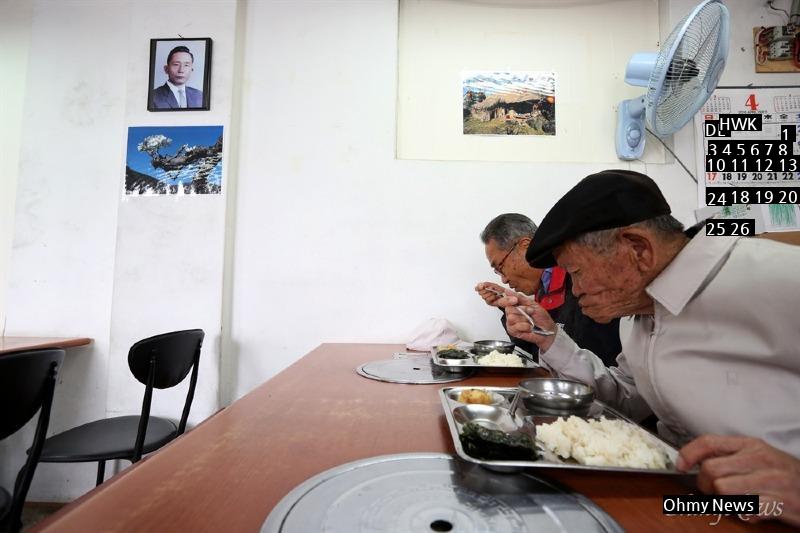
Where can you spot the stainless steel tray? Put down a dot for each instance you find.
(463, 365)
(546, 459)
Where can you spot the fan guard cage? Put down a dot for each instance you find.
(678, 84)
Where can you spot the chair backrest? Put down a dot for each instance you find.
(174, 354)
(161, 362)
(24, 381)
(27, 382)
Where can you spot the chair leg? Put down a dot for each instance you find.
(13, 520)
(101, 472)
(18, 481)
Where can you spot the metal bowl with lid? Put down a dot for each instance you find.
(556, 394)
(486, 347)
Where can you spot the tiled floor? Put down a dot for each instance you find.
(36, 511)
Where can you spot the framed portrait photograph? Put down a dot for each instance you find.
(180, 75)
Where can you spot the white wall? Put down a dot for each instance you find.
(62, 265)
(439, 41)
(336, 240)
(85, 262)
(169, 251)
(329, 237)
(15, 21)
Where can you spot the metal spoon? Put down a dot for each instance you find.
(500, 293)
(528, 426)
(512, 410)
(534, 328)
(525, 355)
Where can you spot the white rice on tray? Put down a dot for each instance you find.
(601, 442)
(495, 358)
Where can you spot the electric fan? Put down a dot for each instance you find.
(679, 78)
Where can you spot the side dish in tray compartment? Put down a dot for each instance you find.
(494, 444)
(475, 396)
(451, 351)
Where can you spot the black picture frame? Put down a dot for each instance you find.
(160, 97)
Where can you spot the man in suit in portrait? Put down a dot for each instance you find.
(175, 94)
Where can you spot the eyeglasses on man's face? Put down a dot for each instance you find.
(499, 268)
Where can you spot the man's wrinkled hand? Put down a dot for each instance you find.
(499, 296)
(746, 465)
(519, 327)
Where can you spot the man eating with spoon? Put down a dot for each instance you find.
(506, 239)
(714, 346)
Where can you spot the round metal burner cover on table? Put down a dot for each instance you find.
(431, 492)
(414, 370)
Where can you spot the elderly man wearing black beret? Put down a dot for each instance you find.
(714, 350)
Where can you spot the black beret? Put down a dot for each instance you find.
(608, 199)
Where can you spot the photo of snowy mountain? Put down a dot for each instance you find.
(174, 160)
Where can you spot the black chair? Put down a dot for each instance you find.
(159, 362)
(27, 381)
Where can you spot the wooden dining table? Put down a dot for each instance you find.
(229, 472)
(22, 344)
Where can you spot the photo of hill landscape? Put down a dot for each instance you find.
(509, 103)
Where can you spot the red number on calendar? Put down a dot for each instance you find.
(751, 102)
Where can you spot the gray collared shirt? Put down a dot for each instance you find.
(721, 352)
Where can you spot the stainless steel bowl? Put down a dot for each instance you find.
(485, 347)
(455, 365)
(488, 416)
(556, 394)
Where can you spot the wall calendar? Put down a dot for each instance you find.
(748, 158)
